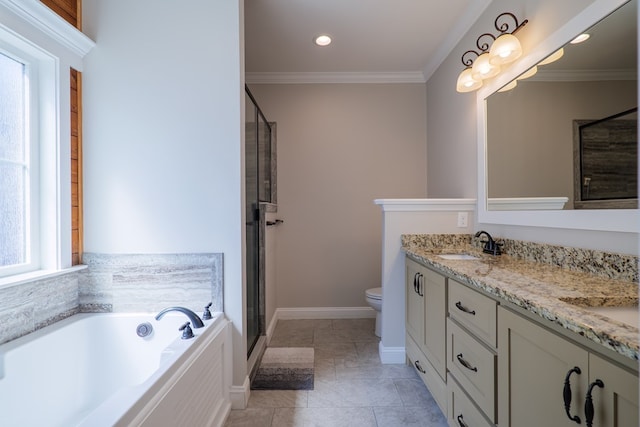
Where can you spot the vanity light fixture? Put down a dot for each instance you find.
(509, 86)
(553, 57)
(322, 40)
(529, 73)
(466, 82)
(503, 49)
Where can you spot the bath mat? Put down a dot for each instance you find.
(285, 368)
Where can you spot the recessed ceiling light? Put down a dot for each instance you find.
(322, 40)
(582, 37)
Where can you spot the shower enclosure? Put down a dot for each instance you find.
(259, 190)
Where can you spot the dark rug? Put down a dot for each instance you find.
(285, 368)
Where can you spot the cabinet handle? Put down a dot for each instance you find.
(461, 422)
(589, 412)
(419, 367)
(566, 394)
(415, 283)
(461, 307)
(421, 285)
(466, 364)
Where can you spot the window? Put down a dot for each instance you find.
(15, 165)
(37, 112)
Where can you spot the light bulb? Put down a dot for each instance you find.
(322, 40)
(483, 69)
(466, 82)
(505, 49)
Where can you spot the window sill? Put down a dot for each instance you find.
(19, 279)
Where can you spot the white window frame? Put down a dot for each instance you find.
(32, 33)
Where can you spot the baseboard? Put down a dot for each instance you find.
(392, 355)
(256, 356)
(272, 327)
(239, 394)
(324, 313)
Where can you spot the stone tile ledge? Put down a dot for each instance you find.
(544, 289)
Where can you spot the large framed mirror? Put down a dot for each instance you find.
(547, 148)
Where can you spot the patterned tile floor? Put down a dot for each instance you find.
(352, 388)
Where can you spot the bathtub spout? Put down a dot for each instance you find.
(195, 319)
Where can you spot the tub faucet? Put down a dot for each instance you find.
(490, 246)
(195, 319)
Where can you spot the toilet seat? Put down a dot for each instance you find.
(374, 293)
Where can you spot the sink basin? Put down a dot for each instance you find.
(628, 315)
(458, 256)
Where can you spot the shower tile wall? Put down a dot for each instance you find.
(129, 283)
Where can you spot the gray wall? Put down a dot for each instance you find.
(340, 146)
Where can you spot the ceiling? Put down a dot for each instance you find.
(394, 40)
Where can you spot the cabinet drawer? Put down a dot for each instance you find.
(474, 367)
(436, 385)
(474, 311)
(461, 411)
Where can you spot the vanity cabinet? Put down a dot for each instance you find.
(426, 310)
(537, 365)
(471, 355)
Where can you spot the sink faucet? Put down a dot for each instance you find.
(193, 317)
(490, 246)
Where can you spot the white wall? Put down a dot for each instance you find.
(163, 123)
(452, 124)
(340, 146)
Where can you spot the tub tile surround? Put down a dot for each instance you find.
(113, 283)
(150, 282)
(553, 282)
(30, 306)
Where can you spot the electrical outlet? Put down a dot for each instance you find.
(463, 219)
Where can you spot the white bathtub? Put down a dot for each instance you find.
(94, 370)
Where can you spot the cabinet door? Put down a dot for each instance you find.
(435, 320)
(532, 366)
(415, 303)
(616, 403)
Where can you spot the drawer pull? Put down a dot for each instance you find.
(419, 367)
(461, 307)
(466, 364)
(421, 285)
(566, 394)
(589, 412)
(461, 422)
(415, 283)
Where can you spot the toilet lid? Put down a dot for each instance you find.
(375, 293)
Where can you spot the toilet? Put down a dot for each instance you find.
(374, 299)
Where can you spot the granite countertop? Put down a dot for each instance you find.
(553, 293)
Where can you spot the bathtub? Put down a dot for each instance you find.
(94, 370)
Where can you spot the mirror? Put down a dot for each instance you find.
(609, 220)
(548, 139)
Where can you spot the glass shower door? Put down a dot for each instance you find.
(252, 224)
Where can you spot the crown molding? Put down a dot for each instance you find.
(583, 75)
(335, 77)
(50, 23)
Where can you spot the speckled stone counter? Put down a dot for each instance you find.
(560, 295)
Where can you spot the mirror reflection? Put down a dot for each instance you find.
(566, 131)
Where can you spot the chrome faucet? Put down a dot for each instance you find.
(193, 317)
(490, 246)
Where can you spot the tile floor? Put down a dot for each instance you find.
(351, 388)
